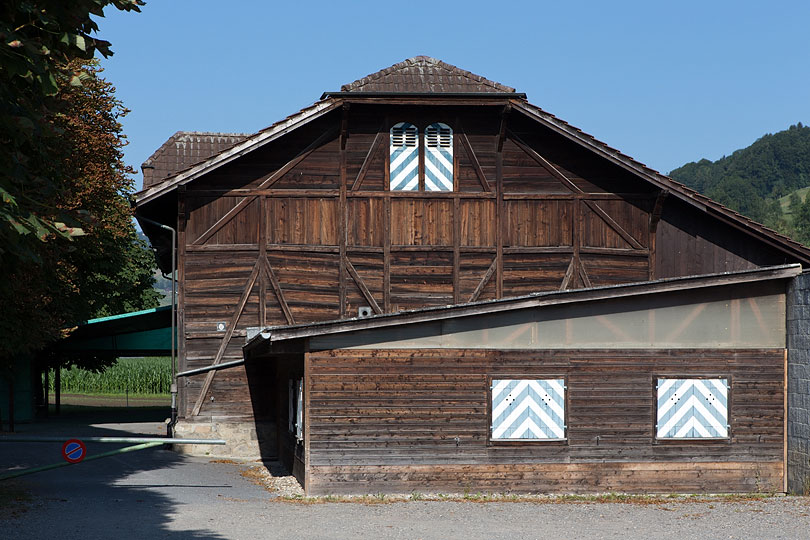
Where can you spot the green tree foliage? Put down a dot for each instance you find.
(750, 180)
(61, 172)
(38, 41)
(801, 222)
(109, 269)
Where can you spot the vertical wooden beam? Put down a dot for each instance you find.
(576, 228)
(420, 145)
(263, 260)
(499, 210)
(456, 220)
(342, 211)
(387, 227)
(456, 250)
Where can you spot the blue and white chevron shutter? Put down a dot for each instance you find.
(528, 409)
(438, 157)
(692, 408)
(404, 152)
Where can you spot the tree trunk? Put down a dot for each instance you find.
(57, 387)
(11, 404)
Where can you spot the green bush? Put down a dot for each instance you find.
(152, 375)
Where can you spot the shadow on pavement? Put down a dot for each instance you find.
(128, 495)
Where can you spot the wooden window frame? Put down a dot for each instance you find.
(697, 440)
(521, 442)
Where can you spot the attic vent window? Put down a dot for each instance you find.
(436, 174)
(404, 157)
(439, 158)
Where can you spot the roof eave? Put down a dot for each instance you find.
(248, 145)
(435, 95)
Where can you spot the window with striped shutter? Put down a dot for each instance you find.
(438, 157)
(692, 409)
(528, 409)
(404, 152)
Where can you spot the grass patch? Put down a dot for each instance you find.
(148, 376)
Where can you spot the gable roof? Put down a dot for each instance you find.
(183, 149)
(423, 74)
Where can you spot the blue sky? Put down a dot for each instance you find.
(665, 83)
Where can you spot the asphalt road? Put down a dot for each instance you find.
(160, 494)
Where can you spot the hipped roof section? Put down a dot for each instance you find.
(429, 77)
(183, 149)
(535, 300)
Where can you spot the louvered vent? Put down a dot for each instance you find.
(404, 134)
(439, 136)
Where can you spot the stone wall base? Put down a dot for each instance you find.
(798, 413)
(245, 440)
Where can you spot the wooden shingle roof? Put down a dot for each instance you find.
(423, 74)
(183, 149)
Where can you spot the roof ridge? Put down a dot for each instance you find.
(423, 60)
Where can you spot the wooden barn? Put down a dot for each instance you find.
(425, 282)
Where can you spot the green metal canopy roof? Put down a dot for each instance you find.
(140, 333)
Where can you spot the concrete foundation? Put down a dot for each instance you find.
(798, 436)
(245, 440)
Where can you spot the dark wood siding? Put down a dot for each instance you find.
(304, 229)
(397, 421)
(688, 243)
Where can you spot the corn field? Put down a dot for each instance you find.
(152, 375)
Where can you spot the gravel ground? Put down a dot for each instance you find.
(161, 494)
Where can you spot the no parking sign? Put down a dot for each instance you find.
(74, 451)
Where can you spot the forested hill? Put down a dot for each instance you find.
(752, 180)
